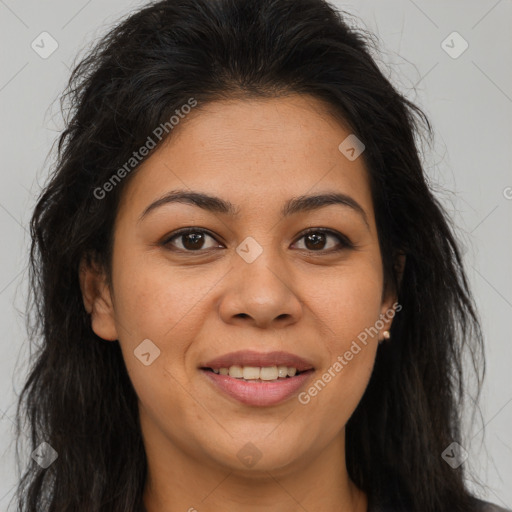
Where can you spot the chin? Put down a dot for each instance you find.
(255, 458)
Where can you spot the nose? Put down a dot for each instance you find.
(260, 294)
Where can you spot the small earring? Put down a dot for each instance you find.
(386, 335)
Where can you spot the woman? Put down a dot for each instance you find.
(248, 296)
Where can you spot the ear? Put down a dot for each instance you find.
(390, 296)
(97, 298)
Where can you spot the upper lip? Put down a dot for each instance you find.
(253, 358)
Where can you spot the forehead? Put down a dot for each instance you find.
(253, 150)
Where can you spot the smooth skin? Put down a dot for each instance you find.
(196, 301)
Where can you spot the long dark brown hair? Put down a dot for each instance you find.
(78, 397)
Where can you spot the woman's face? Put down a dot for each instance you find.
(247, 279)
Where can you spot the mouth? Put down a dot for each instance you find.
(257, 392)
(258, 379)
(257, 373)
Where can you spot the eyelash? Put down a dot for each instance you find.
(344, 242)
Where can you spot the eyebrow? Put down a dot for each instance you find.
(292, 206)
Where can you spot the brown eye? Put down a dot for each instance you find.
(315, 241)
(190, 240)
(318, 240)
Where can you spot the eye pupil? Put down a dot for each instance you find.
(317, 240)
(196, 240)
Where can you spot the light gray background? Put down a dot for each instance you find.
(468, 99)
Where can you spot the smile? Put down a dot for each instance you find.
(266, 373)
(253, 385)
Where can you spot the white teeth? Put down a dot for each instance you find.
(236, 372)
(282, 371)
(292, 372)
(249, 372)
(268, 373)
(258, 373)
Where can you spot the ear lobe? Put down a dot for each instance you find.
(97, 298)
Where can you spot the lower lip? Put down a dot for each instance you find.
(258, 393)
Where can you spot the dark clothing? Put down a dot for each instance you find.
(484, 507)
(490, 507)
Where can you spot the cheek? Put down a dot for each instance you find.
(348, 308)
(154, 301)
(349, 305)
(164, 307)
(156, 305)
